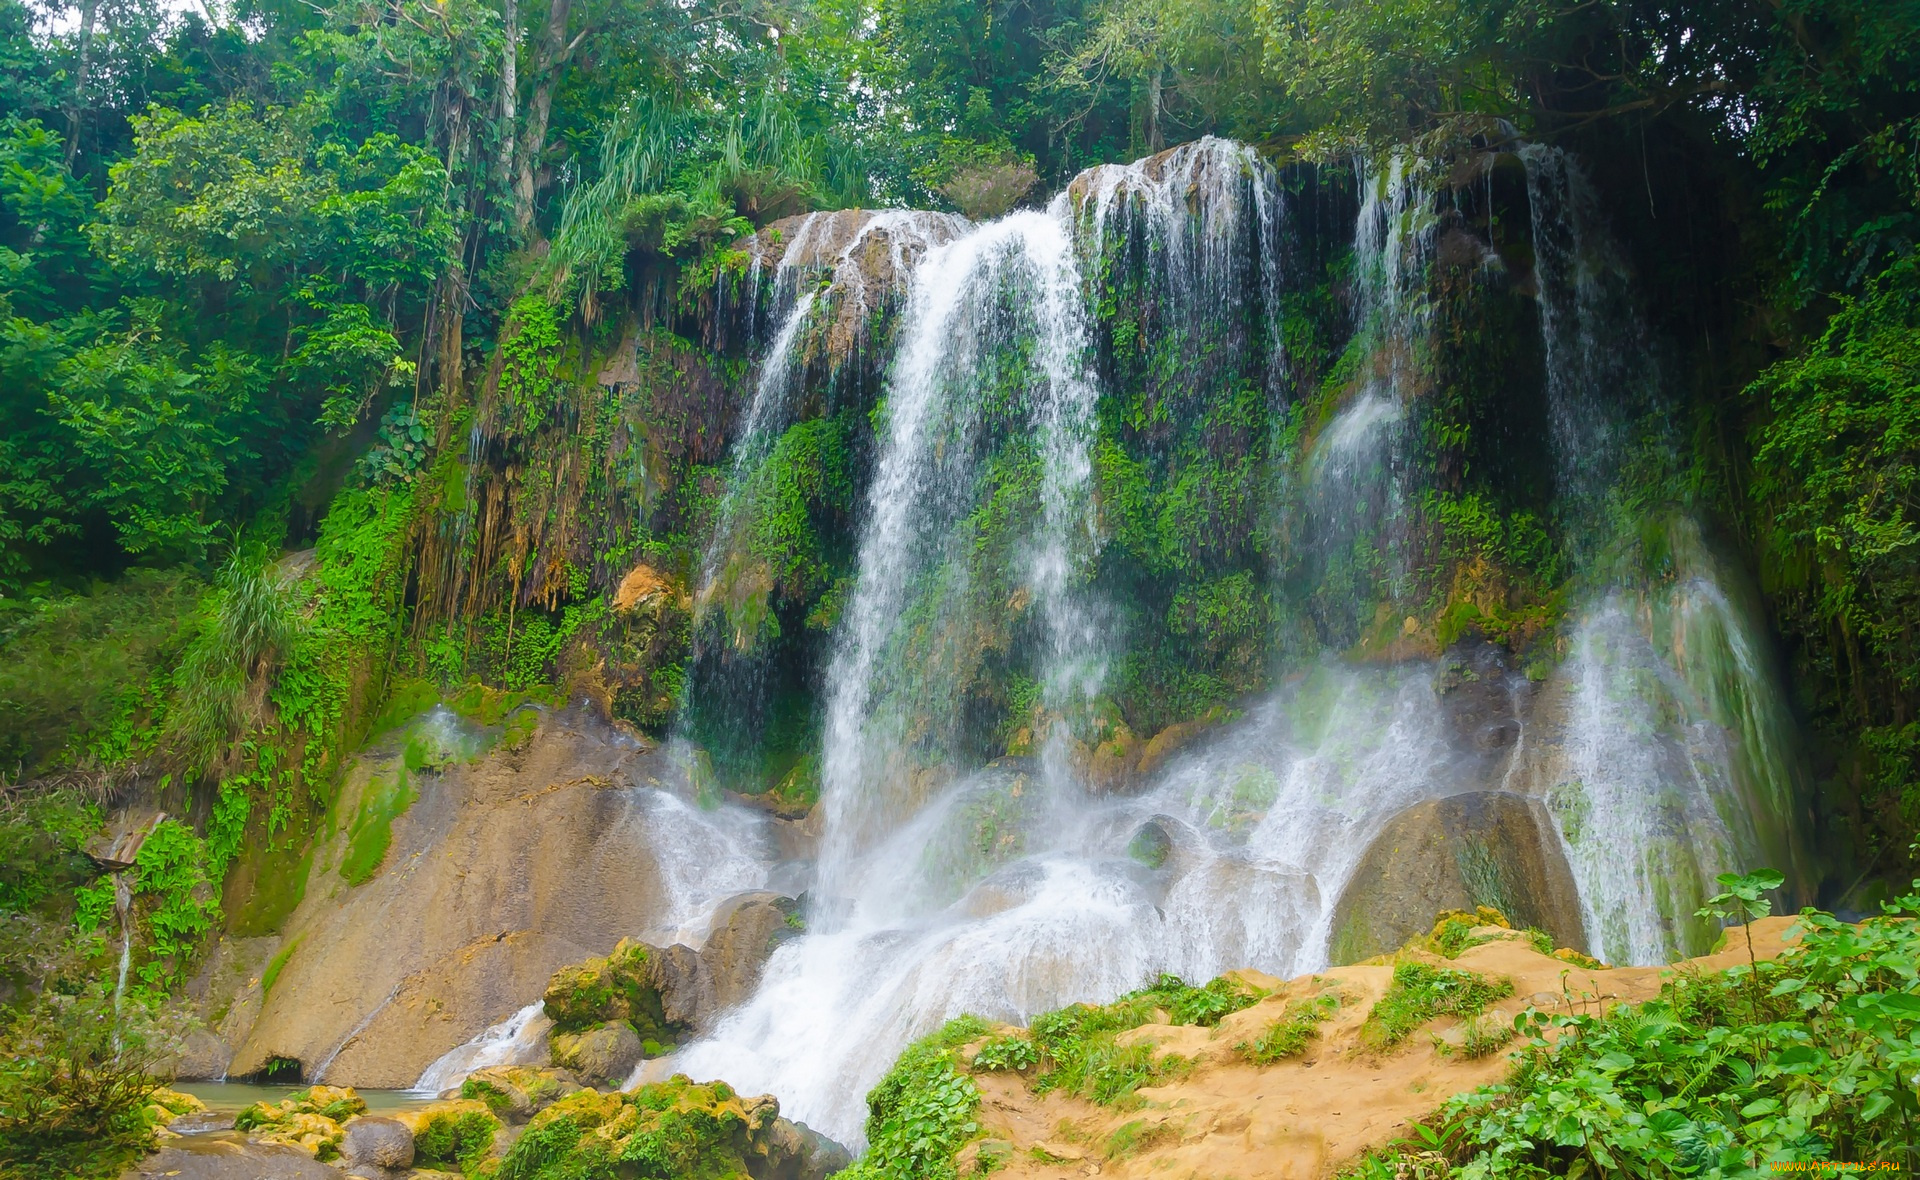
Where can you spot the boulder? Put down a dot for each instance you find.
(643, 590)
(604, 1053)
(228, 1155)
(1489, 848)
(681, 1127)
(516, 1093)
(680, 978)
(746, 930)
(1165, 744)
(374, 1142)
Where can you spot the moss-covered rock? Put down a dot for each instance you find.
(164, 1106)
(454, 1135)
(604, 1053)
(668, 1130)
(620, 987)
(516, 1093)
(311, 1120)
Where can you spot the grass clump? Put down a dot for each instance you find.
(1290, 1035)
(1420, 992)
(922, 1112)
(1134, 1137)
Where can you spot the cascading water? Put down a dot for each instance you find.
(1010, 888)
(1674, 760)
(947, 891)
(831, 278)
(1206, 220)
(994, 347)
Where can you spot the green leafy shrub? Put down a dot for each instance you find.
(1420, 993)
(922, 1112)
(1013, 1052)
(76, 1074)
(454, 1140)
(1697, 1082)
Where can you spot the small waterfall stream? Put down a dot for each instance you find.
(1674, 760)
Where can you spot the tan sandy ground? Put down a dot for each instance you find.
(1305, 1117)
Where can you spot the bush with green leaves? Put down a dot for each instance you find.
(76, 1074)
(1701, 1083)
(922, 1112)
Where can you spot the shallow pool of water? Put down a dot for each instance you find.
(230, 1098)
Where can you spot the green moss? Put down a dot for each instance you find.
(451, 1140)
(270, 887)
(274, 967)
(406, 699)
(381, 802)
(672, 1130)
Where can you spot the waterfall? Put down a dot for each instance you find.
(993, 349)
(834, 277)
(520, 1039)
(1199, 226)
(1343, 547)
(952, 879)
(1675, 759)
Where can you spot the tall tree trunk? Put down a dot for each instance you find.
(552, 56)
(89, 11)
(509, 94)
(1155, 142)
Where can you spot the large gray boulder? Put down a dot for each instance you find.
(375, 1142)
(1481, 848)
(606, 1053)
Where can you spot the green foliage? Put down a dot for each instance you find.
(170, 872)
(1837, 488)
(1694, 1083)
(1420, 993)
(41, 842)
(84, 677)
(76, 1073)
(922, 1112)
(1011, 1052)
(450, 1141)
(1290, 1035)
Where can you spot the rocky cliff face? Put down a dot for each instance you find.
(535, 855)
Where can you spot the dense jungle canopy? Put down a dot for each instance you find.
(302, 305)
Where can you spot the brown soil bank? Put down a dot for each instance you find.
(1305, 1117)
